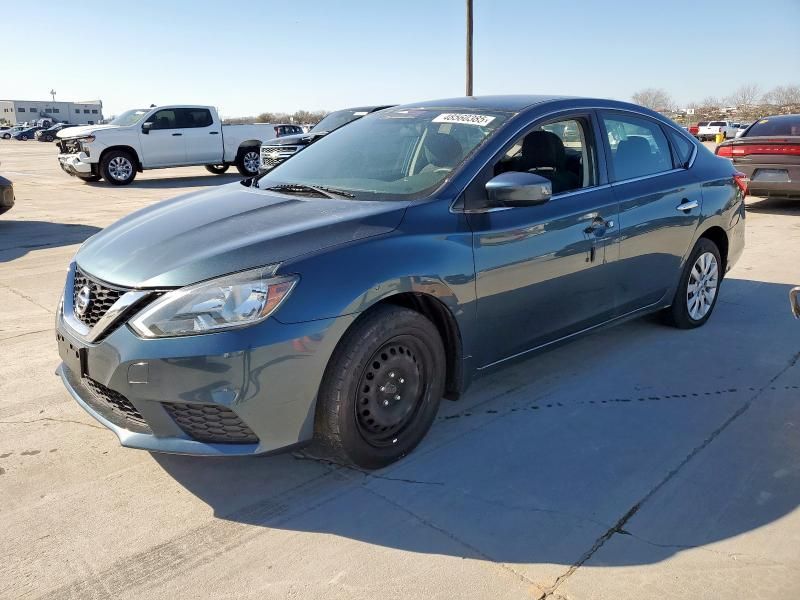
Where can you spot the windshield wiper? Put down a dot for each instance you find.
(302, 188)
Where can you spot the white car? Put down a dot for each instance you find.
(7, 133)
(160, 137)
(710, 131)
(742, 127)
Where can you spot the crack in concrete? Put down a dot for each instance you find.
(26, 297)
(92, 425)
(618, 527)
(367, 474)
(19, 335)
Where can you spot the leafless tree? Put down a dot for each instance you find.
(654, 98)
(745, 95)
(783, 95)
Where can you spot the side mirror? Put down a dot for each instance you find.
(794, 300)
(146, 127)
(516, 188)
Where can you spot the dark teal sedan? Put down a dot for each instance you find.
(341, 295)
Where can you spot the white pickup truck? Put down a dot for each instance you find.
(710, 130)
(160, 137)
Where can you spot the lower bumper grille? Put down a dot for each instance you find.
(211, 423)
(112, 405)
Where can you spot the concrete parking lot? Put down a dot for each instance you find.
(637, 462)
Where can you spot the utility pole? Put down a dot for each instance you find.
(469, 47)
(53, 94)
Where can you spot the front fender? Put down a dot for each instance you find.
(436, 260)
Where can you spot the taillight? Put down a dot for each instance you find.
(741, 181)
(724, 151)
(784, 149)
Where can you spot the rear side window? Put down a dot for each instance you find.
(194, 117)
(702, 123)
(638, 146)
(783, 125)
(683, 148)
(717, 124)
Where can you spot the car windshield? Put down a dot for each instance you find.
(397, 154)
(130, 117)
(337, 119)
(782, 125)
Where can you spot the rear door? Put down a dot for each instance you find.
(544, 272)
(164, 145)
(201, 135)
(659, 204)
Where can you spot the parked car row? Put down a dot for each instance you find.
(339, 296)
(30, 132)
(708, 130)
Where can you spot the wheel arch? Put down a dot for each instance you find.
(129, 149)
(248, 144)
(719, 236)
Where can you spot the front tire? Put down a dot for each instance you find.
(382, 388)
(23, 138)
(217, 169)
(247, 161)
(118, 167)
(698, 289)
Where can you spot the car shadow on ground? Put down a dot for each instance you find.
(179, 182)
(17, 238)
(543, 460)
(774, 206)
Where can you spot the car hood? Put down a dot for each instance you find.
(83, 130)
(230, 228)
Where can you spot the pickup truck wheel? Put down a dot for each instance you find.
(247, 161)
(381, 389)
(217, 169)
(698, 289)
(118, 167)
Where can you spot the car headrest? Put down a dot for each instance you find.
(442, 150)
(543, 149)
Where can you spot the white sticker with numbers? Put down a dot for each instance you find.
(464, 118)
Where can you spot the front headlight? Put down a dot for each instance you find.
(228, 302)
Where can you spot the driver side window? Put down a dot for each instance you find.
(561, 151)
(163, 119)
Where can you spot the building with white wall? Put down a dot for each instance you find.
(28, 111)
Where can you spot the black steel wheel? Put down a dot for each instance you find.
(382, 388)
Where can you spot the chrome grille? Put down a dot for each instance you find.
(102, 298)
(210, 423)
(271, 156)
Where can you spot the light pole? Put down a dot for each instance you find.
(53, 94)
(469, 47)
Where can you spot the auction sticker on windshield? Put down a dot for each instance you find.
(464, 118)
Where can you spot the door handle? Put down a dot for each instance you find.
(213, 133)
(174, 134)
(599, 224)
(687, 205)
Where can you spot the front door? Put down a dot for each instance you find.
(164, 144)
(544, 272)
(659, 200)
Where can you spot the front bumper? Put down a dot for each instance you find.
(267, 375)
(75, 164)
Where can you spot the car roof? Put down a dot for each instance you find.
(508, 103)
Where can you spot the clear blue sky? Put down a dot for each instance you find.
(249, 57)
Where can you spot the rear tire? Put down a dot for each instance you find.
(698, 288)
(381, 389)
(118, 167)
(217, 169)
(247, 161)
